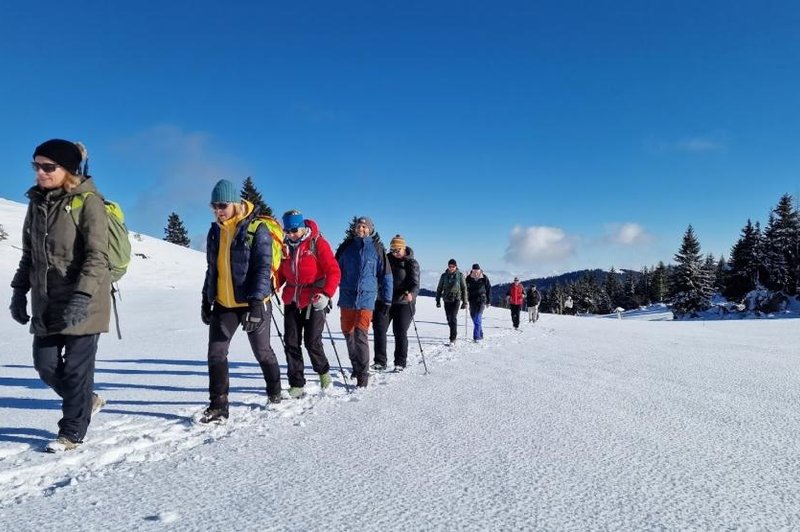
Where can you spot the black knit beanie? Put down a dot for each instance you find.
(63, 152)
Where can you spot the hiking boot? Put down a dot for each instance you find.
(398, 369)
(275, 398)
(325, 380)
(378, 367)
(97, 404)
(296, 392)
(61, 444)
(362, 380)
(214, 415)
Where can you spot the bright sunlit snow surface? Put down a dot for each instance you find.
(572, 423)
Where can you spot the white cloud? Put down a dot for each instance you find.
(627, 234)
(700, 145)
(530, 245)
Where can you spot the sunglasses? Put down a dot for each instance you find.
(294, 230)
(47, 168)
(219, 206)
(396, 251)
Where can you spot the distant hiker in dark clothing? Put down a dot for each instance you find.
(515, 295)
(405, 276)
(309, 275)
(362, 260)
(236, 291)
(479, 294)
(453, 289)
(533, 298)
(65, 267)
(569, 306)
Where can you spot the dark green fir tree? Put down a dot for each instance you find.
(176, 232)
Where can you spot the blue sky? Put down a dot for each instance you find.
(533, 137)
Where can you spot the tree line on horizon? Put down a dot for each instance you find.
(762, 272)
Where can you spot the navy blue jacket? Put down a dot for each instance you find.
(363, 262)
(250, 265)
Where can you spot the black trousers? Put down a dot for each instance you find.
(224, 322)
(308, 325)
(451, 311)
(66, 364)
(515, 315)
(400, 318)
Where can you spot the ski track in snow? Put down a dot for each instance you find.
(112, 446)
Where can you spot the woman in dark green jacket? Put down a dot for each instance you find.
(64, 266)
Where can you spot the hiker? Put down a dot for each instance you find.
(479, 295)
(362, 260)
(515, 293)
(405, 278)
(569, 306)
(533, 298)
(453, 289)
(309, 275)
(236, 291)
(65, 266)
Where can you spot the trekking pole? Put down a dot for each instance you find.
(421, 352)
(346, 383)
(278, 331)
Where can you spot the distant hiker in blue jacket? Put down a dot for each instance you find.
(236, 292)
(362, 260)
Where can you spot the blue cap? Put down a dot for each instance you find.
(224, 192)
(293, 220)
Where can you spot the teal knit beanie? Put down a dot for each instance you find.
(224, 192)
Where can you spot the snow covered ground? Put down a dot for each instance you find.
(572, 423)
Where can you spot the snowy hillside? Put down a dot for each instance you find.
(569, 424)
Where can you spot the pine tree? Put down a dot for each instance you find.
(250, 193)
(613, 288)
(746, 263)
(690, 282)
(176, 232)
(659, 287)
(781, 247)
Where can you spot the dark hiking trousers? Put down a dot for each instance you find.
(355, 327)
(451, 311)
(515, 315)
(224, 322)
(308, 325)
(476, 313)
(400, 318)
(66, 364)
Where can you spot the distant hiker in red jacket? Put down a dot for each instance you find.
(309, 275)
(515, 294)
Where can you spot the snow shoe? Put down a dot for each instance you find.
(399, 369)
(378, 367)
(214, 415)
(325, 380)
(275, 398)
(296, 392)
(61, 444)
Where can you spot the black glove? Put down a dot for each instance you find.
(438, 304)
(77, 310)
(463, 305)
(19, 307)
(254, 317)
(205, 312)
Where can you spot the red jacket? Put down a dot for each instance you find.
(515, 292)
(308, 269)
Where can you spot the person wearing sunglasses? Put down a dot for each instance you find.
(65, 268)
(236, 292)
(309, 275)
(453, 289)
(399, 310)
(365, 272)
(479, 295)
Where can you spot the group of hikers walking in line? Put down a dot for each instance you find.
(474, 290)
(65, 267)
